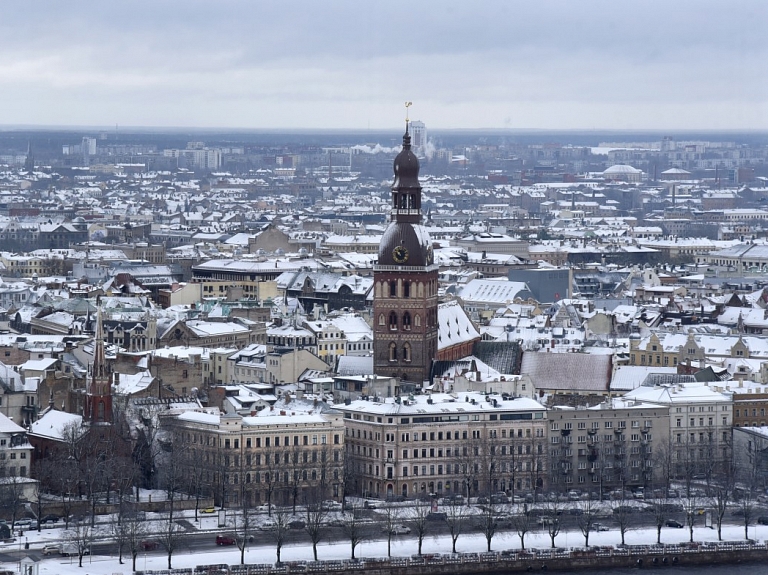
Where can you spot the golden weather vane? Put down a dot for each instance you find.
(407, 105)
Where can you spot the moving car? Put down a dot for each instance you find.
(600, 527)
(208, 510)
(149, 545)
(673, 523)
(225, 540)
(400, 530)
(50, 518)
(51, 548)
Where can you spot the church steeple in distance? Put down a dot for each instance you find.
(405, 280)
(98, 400)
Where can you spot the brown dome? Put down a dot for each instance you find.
(415, 240)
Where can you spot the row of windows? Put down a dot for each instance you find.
(635, 424)
(267, 441)
(407, 321)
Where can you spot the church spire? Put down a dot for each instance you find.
(98, 401)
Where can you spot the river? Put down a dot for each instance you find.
(749, 569)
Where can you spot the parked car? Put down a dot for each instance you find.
(437, 516)
(208, 510)
(600, 527)
(26, 524)
(762, 520)
(51, 549)
(400, 530)
(673, 523)
(268, 524)
(225, 540)
(499, 498)
(330, 506)
(297, 524)
(544, 521)
(149, 545)
(50, 518)
(573, 495)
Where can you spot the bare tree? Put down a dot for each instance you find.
(721, 490)
(587, 514)
(691, 506)
(489, 522)
(420, 518)
(353, 528)
(457, 516)
(523, 524)
(623, 514)
(659, 508)
(170, 537)
(391, 517)
(80, 536)
(133, 531)
(553, 510)
(44, 470)
(467, 459)
(315, 517)
(245, 524)
(272, 466)
(172, 459)
(11, 491)
(279, 531)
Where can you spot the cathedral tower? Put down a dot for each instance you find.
(405, 282)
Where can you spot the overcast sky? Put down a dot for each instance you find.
(528, 64)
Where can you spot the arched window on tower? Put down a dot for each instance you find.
(393, 351)
(417, 320)
(407, 352)
(393, 289)
(382, 321)
(392, 321)
(407, 321)
(406, 289)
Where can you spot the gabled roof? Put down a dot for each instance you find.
(567, 371)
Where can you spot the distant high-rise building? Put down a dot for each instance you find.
(419, 138)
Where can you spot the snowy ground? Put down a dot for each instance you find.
(401, 546)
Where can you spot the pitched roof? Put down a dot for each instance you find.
(567, 371)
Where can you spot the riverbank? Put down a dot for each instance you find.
(490, 563)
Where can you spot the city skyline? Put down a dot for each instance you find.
(340, 65)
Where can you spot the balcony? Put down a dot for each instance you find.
(592, 432)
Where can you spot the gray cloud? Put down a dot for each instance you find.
(496, 63)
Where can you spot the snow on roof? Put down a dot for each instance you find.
(355, 365)
(128, 384)
(443, 404)
(54, 423)
(689, 392)
(628, 377)
(491, 291)
(454, 326)
(567, 371)
(38, 364)
(8, 426)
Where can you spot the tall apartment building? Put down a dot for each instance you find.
(466, 443)
(614, 444)
(274, 457)
(700, 420)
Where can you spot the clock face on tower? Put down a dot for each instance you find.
(400, 254)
